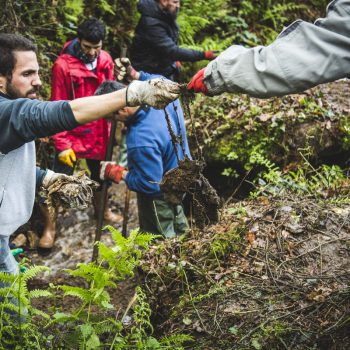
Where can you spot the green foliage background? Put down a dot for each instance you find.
(205, 24)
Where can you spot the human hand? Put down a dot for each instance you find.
(124, 71)
(210, 54)
(156, 93)
(51, 177)
(111, 171)
(197, 84)
(67, 157)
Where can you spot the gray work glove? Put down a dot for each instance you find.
(124, 71)
(156, 93)
(51, 177)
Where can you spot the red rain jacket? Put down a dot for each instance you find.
(71, 80)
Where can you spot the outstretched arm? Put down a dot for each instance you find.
(23, 120)
(304, 55)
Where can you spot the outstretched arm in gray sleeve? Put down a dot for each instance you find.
(304, 55)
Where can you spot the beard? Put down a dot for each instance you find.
(13, 92)
(174, 13)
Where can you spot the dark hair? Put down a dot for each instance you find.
(92, 30)
(109, 86)
(8, 44)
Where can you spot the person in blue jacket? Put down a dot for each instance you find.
(150, 155)
(23, 118)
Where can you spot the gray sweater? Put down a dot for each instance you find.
(304, 55)
(21, 121)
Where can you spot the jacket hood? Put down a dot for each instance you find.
(150, 8)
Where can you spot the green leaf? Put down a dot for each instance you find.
(255, 344)
(152, 343)
(93, 342)
(86, 329)
(187, 321)
(233, 330)
(107, 305)
(63, 317)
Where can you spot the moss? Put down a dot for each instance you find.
(227, 242)
(231, 128)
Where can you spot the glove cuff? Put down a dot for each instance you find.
(47, 178)
(103, 169)
(126, 96)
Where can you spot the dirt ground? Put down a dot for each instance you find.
(76, 233)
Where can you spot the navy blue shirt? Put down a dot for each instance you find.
(22, 120)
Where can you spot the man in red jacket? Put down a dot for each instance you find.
(80, 68)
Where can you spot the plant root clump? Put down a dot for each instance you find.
(74, 191)
(272, 274)
(187, 178)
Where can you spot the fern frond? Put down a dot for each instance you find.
(37, 312)
(176, 340)
(78, 292)
(33, 271)
(108, 326)
(61, 317)
(10, 307)
(39, 293)
(7, 278)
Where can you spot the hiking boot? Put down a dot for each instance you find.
(47, 239)
(108, 215)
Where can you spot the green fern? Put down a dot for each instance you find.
(305, 181)
(16, 310)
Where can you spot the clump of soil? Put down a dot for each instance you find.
(74, 191)
(273, 273)
(187, 178)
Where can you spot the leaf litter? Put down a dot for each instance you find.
(273, 272)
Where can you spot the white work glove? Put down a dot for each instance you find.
(124, 71)
(51, 177)
(156, 93)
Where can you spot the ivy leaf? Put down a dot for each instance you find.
(86, 329)
(233, 330)
(107, 305)
(93, 342)
(152, 343)
(255, 344)
(187, 321)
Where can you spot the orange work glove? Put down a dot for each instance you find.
(197, 84)
(67, 157)
(111, 171)
(210, 55)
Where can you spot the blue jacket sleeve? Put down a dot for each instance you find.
(23, 120)
(148, 76)
(145, 170)
(40, 174)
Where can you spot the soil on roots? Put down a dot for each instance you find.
(188, 179)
